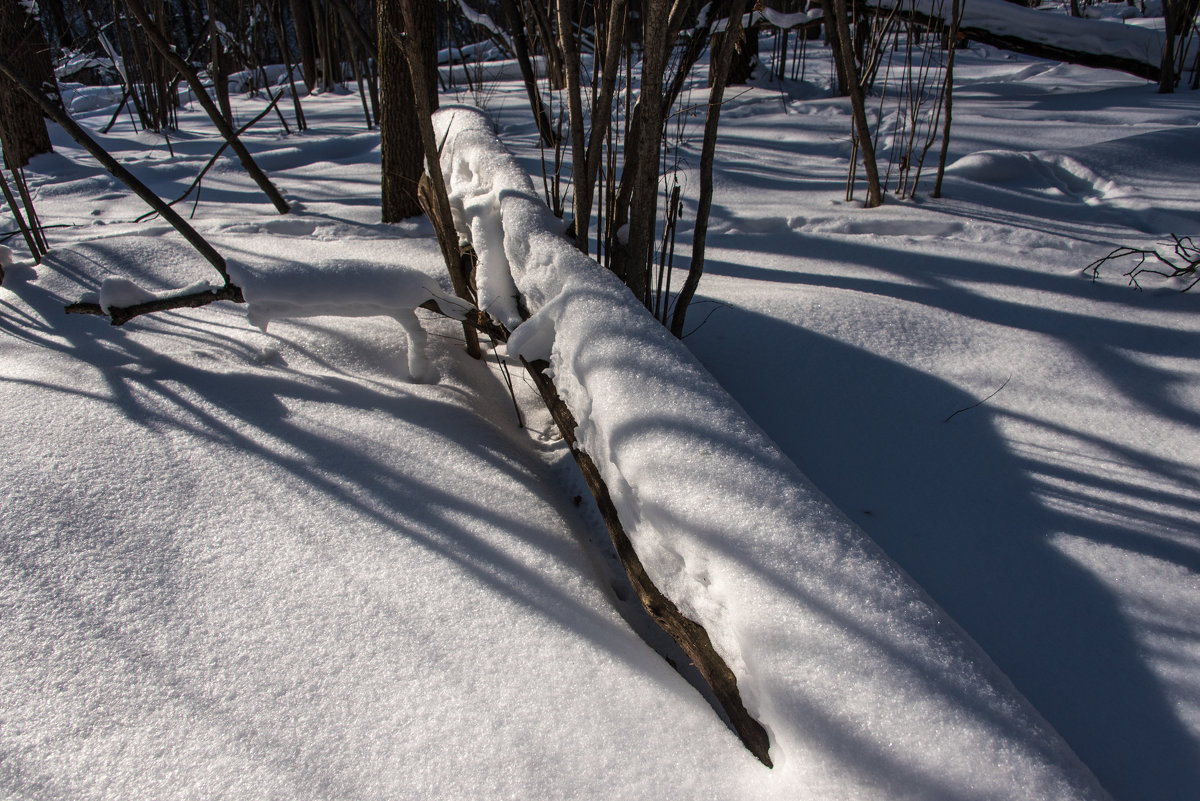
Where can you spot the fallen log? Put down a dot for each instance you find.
(689, 634)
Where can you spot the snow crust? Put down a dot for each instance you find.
(835, 650)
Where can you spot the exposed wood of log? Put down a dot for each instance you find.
(690, 635)
(1040, 50)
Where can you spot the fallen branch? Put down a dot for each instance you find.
(980, 403)
(119, 315)
(1183, 261)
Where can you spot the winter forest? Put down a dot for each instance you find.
(592, 399)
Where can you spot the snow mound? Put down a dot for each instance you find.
(868, 690)
(1048, 172)
(343, 288)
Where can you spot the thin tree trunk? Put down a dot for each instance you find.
(956, 18)
(858, 104)
(585, 182)
(583, 190)
(720, 65)
(402, 154)
(520, 42)
(647, 145)
(302, 24)
(417, 16)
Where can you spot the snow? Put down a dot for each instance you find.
(814, 621)
(1004, 18)
(240, 563)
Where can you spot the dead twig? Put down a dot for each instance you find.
(980, 403)
(1182, 261)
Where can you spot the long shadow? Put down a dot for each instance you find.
(248, 410)
(937, 282)
(955, 507)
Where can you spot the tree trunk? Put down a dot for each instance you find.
(22, 127)
(845, 47)
(643, 204)
(401, 153)
(302, 23)
(722, 57)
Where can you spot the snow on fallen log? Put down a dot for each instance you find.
(1090, 42)
(345, 288)
(859, 678)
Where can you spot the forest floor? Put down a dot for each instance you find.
(250, 564)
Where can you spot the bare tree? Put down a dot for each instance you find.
(401, 152)
(866, 145)
(22, 126)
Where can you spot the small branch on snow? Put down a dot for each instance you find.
(980, 403)
(1183, 261)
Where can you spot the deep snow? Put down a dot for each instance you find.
(256, 564)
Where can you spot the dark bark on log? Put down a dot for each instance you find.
(691, 636)
(1039, 50)
(119, 315)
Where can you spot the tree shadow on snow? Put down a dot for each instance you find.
(961, 512)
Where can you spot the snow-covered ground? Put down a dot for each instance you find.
(255, 564)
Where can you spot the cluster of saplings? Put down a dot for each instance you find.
(604, 79)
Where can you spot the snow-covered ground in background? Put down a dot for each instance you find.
(253, 564)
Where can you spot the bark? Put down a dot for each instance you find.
(744, 58)
(647, 145)
(845, 51)
(832, 37)
(956, 18)
(431, 189)
(520, 42)
(22, 126)
(302, 23)
(583, 190)
(402, 153)
(690, 635)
